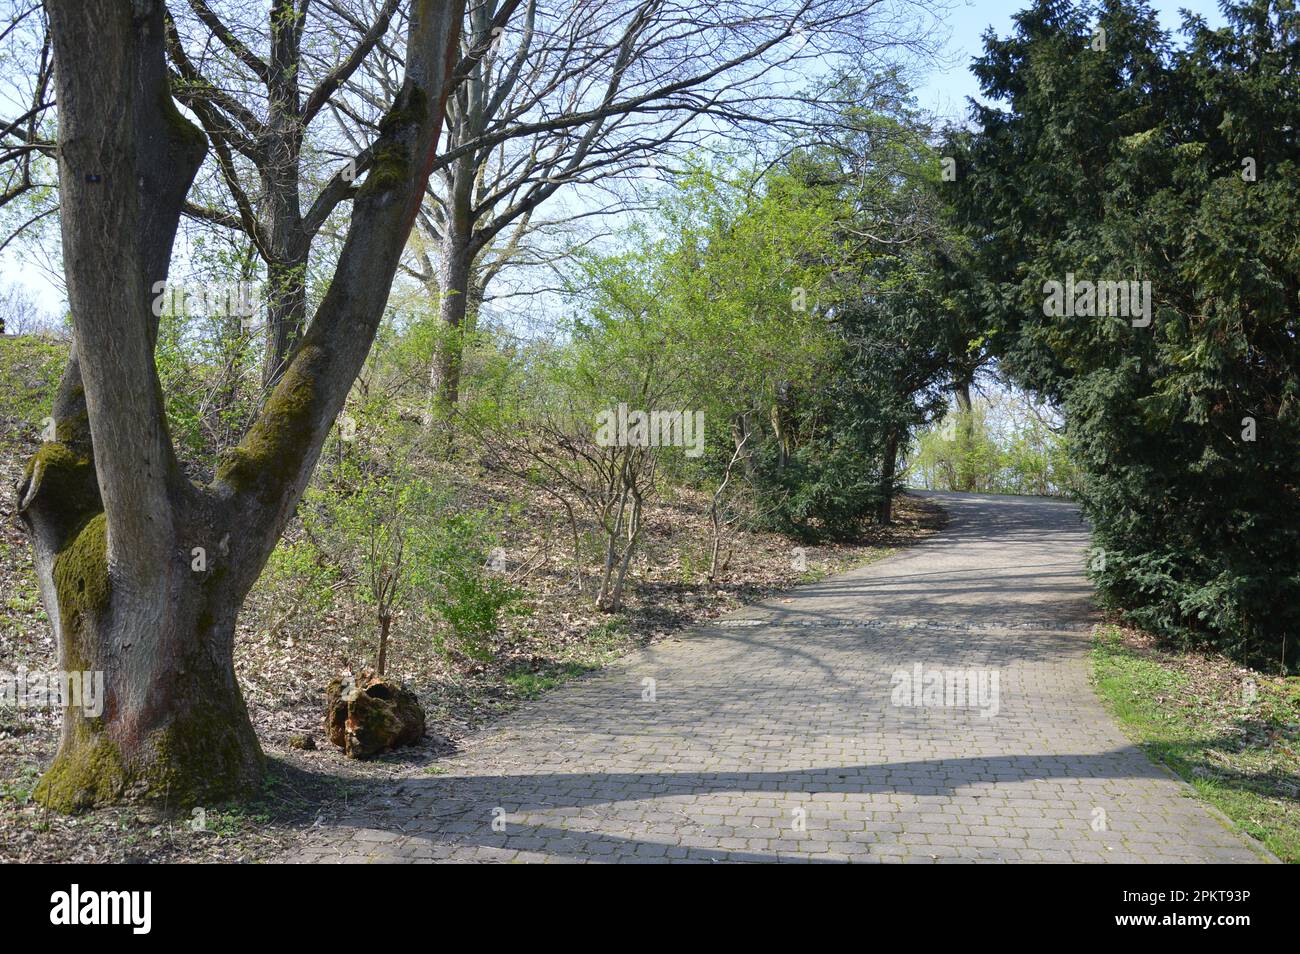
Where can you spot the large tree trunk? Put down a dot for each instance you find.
(453, 307)
(174, 726)
(111, 516)
(142, 572)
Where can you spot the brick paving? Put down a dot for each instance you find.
(773, 735)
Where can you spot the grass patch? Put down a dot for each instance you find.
(531, 683)
(19, 790)
(1231, 733)
(599, 646)
(29, 374)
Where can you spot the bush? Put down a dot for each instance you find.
(468, 596)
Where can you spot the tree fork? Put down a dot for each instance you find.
(112, 517)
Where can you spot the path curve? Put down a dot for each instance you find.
(774, 734)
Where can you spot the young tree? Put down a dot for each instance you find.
(142, 571)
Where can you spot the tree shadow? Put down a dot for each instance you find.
(457, 812)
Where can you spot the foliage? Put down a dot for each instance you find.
(469, 597)
(410, 549)
(796, 307)
(1174, 166)
(1001, 445)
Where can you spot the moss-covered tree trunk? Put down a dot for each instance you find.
(173, 727)
(143, 572)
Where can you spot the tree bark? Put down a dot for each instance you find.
(454, 292)
(111, 517)
(385, 622)
(888, 469)
(965, 436)
(286, 240)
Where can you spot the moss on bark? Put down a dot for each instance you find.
(82, 584)
(207, 755)
(201, 758)
(391, 167)
(190, 135)
(392, 160)
(272, 450)
(86, 773)
(410, 112)
(65, 477)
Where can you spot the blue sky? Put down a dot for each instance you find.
(945, 87)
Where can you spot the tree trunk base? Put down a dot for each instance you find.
(203, 753)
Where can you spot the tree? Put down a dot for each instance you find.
(796, 307)
(19, 312)
(1171, 171)
(898, 330)
(143, 571)
(280, 178)
(28, 201)
(257, 115)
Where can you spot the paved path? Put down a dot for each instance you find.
(775, 735)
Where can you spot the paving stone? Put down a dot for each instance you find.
(781, 742)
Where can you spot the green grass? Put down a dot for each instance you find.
(29, 374)
(1195, 715)
(19, 790)
(600, 645)
(27, 598)
(530, 684)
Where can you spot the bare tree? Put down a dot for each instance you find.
(142, 571)
(21, 315)
(28, 194)
(25, 51)
(587, 94)
(257, 108)
(608, 484)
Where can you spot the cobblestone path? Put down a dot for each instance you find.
(777, 734)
